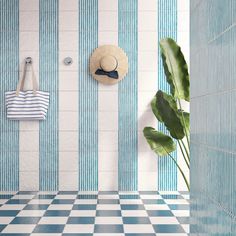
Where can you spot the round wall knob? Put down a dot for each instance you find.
(68, 61)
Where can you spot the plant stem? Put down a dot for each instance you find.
(186, 161)
(187, 151)
(185, 179)
(185, 129)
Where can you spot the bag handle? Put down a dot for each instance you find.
(21, 82)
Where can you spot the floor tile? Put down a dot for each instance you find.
(141, 228)
(49, 228)
(78, 228)
(108, 213)
(171, 228)
(136, 220)
(108, 228)
(81, 220)
(57, 213)
(26, 220)
(159, 213)
(108, 220)
(53, 220)
(14, 228)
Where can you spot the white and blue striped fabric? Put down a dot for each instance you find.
(28, 105)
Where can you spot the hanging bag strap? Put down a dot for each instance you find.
(21, 82)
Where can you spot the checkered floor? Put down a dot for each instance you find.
(102, 213)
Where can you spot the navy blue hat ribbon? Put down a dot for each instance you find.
(112, 74)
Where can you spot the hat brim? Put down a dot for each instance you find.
(118, 53)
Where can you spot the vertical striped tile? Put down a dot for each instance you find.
(167, 27)
(88, 97)
(128, 97)
(48, 75)
(9, 60)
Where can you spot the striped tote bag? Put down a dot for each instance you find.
(27, 105)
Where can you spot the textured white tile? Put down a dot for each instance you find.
(6, 220)
(29, 125)
(111, 88)
(68, 80)
(147, 21)
(150, 5)
(66, 196)
(111, 5)
(28, 41)
(29, 5)
(144, 104)
(68, 41)
(68, 21)
(60, 207)
(146, 118)
(142, 143)
(31, 213)
(107, 101)
(107, 141)
(157, 207)
(147, 161)
(108, 181)
(147, 41)
(29, 161)
(183, 17)
(29, 21)
(147, 81)
(68, 161)
(108, 161)
(68, 120)
(107, 37)
(83, 213)
(107, 120)
(10, 207)
(183, 5)
(29, 141)
(144, 182)
(68, 180)
(135, 213)
(147, 61)
(68, 101)
(108, 21)
(68, 141)
(68, 5)
(29, 181)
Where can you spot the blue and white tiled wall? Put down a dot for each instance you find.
(92, 138)
(213, 159)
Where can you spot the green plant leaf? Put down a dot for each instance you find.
(154, 109)
(169, 114)
(160, 143)
(187, 121)
(175, 67)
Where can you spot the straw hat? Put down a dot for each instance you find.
(108, 64)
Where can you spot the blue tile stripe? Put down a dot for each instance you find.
(167, 27)
(9, 61)
(128, 97)
(48, 80)
(88, 98)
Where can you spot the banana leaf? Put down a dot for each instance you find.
(168, 112)
(176, 69)
(160, 143)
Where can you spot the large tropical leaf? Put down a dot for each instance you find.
(176, 69)
(160, 143)
(169, 114)
(155, 110)
(186, 121)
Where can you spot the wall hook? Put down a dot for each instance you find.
(68, 61)
(28, 60)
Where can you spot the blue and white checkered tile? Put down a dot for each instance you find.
(70, 213)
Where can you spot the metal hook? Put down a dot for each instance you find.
(68, 61)
(28, 60)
